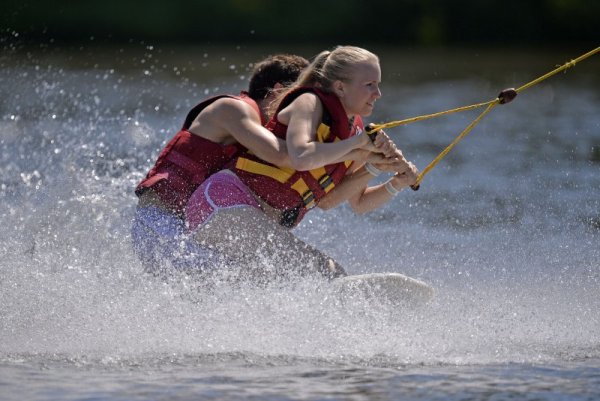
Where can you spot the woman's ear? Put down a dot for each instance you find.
(338, 88)
(272, 93)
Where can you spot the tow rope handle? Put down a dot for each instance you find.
(371, 130)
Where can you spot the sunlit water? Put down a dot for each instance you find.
(506, 229)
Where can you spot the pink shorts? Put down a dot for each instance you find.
(222, 190)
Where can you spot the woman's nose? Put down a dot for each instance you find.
(378, 93)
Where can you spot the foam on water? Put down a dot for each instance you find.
(506, 230)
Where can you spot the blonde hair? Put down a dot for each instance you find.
(327, 67)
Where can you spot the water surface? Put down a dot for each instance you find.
(506, 229)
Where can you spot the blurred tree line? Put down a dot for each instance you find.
(404, 22)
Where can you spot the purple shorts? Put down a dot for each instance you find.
(222, 190)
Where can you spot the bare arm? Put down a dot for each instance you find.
(303, 117)
(245, 127)
(374, 197)
(352, 184)
(355, 183)
(229, 120)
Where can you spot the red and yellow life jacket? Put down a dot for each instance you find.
(188, 160)
(296, 192)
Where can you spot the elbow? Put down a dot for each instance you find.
(281, 160)
(301, 164)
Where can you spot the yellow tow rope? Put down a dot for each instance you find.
(504, 97)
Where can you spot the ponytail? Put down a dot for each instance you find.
(326, 68)
(311, 76)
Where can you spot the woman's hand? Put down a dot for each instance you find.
(394, 163)
(366, 143)
(389, 164)
(382, 151)
(406, 176)
(385, 145)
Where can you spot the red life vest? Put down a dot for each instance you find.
(296, 192)
(188, 160)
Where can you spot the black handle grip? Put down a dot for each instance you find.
(371, 133)
(507, 95)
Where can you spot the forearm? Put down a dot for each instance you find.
(371, 198)
(274, 151)
(352, 185)
(376, 196)
(316, 154)
(260, 141)
(357, 180)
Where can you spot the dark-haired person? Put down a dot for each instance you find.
(214, 132)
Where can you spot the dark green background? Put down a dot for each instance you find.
(403, 22)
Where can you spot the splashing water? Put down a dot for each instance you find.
(506, 229)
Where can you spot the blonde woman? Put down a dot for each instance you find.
(246, 212)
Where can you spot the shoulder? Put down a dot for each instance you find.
(229, 103)
(305, 106)
(231, 107)
(307, 102)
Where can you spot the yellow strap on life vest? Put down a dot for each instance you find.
(324, 180)
(282, 175)
(323, 132)
(307, 195)
(279, 174)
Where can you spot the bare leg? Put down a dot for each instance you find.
(247, 235)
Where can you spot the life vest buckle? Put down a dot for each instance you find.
(309, 199)
(325, 182)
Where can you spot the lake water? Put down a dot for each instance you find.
(506, 228)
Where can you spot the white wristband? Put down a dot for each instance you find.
(390, 188)
(374, 171)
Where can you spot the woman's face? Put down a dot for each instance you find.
(358, 95)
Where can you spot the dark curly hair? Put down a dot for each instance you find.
(280, 68)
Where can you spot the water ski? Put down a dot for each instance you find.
(394, 288)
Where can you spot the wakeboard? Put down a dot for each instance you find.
(394, 288)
